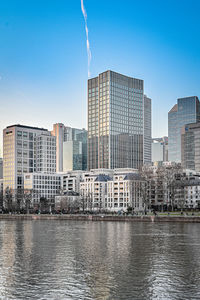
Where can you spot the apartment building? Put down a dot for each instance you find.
(113, 190)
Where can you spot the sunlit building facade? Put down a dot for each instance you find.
(115, 121)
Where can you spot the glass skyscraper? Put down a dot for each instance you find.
(186, 111)
(190, 146)
(115, 121)
(147, 130)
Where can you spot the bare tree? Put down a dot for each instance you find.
(8, 199)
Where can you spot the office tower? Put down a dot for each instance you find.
(45, 153)
(64, 134)
(159, 149)
(147, 130)
(72, 156)
(1, 168)
(60, 132)
(187, 110)
(83, 137)
(26, 150)
(115, 121)
(190, 146)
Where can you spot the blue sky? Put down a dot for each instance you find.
(43, 56)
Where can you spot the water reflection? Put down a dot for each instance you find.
(99, 260)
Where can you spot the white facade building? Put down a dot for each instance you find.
(45, 153)
(71, 181)
(125, 190)
(25, 150)
(43, 186)
(113, 190)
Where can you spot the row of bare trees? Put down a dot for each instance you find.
(24, 201)
(165, 187)
(72, 202)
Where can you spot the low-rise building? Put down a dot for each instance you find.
(43, 186)
(68, 202)
(71, 181)
(124, 191)
(113, 190)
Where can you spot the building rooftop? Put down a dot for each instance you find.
(27, 127)
(103, 178)
(117, 74)
(133, 176)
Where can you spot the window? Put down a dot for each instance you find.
(19, 133)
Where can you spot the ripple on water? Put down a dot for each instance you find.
(99, 260)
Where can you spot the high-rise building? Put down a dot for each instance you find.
(65, 134)
(190, 147)
(83, 137)
(147, 130)
(187, 110)
(72, 156)
(45, 153)
(60, 132)
(26, 150)
(159, 149)
(115, 121)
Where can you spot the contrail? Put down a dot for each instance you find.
(87, 39)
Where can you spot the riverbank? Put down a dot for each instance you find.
(186, 219)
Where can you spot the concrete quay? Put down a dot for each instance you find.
(186, 219)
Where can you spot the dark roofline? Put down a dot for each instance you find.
(28, 127)
(188, 97)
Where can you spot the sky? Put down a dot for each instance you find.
(44, 62)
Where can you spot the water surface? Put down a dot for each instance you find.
(99, 260)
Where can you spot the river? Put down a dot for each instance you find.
(99, 260)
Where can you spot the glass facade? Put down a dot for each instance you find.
(72, 156)
(82, 137)
(190, 143)
(184, 112)
(63, 134)
(147, 130)
(115, 121)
